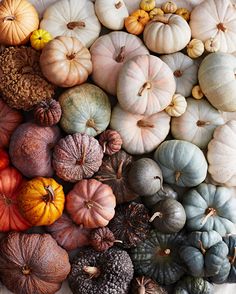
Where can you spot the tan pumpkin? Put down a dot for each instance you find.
(65, 62)
(177, 106)
(18, 19)
(195, 48)
(156, 11)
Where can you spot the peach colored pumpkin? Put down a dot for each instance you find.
(145, 85)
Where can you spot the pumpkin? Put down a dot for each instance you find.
(19, 19)
(41, 5)
(177, 107)
(71, 18)
(169, 27)
(76, 157)
(146, 285)
(220, 157)
(109, 52)
(110, 141)
(85, 109)
(231, 243)
(195, 48)
(32, 263)
(158, 257)
(145, 176)
(209, 207)
(197, 92)
(101, 239)
(65, 62)
(197, 124)
(193, 285)
(136, 22)
(9, 120)
(185, 72)
(223, 273)
(182, 163)
(183, 12)
(111, 13)
(31, 149)
(39, 38)
(91, 203)
(156, 11)
(217, 80)
(67, 234)
(4, 159)
(145, 85)
(140, 134)
(220, 25)
(47, 113)
(169, 7)
(212, 45)
(11, 219)
(41, 201)
(147, 5)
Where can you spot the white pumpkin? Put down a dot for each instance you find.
(177, 106)
(145, 85)
(111, 13)
(140, 134)
(72, 18)
(197, 124)
(41, 5)
(195, 48)
(215, 19)
(185, 72)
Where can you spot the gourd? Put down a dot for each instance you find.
(47, 113)
(155, 11)
(212, 45)
(169, 7)
(65, 62)
(39, 38)
(145, 85)
(197, 124)
(109, 52)
(71, 18)
(162, 27)
(182, 163)
(85, 109)
(140, 134)
(19, 19)
(210, 207)
(177, 107)
(231, 243)
(195, 48)
(192, 285)
(147, 5)
(135, 23)
(102, 239)
(4, 159)
(110, 141)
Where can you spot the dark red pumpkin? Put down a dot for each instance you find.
(47, 113)
(111, 141)
(4, 159)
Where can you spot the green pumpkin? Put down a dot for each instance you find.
(85, 109)
(231, 243)
(158, 257)
(192, 285)
(209, 208)
(204, 254)
(182, 163)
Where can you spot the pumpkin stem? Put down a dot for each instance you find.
(118, 241)
(91, 124)
(92, 271)
(232, 258)
(145, 86)
(81, 161)
(71, 56)
(164, 252)
(177, 176)
(119, 171)
(10, 17)
(90, 204)
(6, 200)
(73, 24)
(144, 124)
(178, 73)
(118, 5)
(201, 123)
(156, 214)
(142, 289)
(160, 18)
(203, 250)
(25, 270)
(50, 196)
(221, 27)
(104, 146)
(209, 212)
(121, 56)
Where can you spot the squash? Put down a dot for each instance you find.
(71, 18)
(169, 7)
(169, 27)
(182, 163)
(109, 52)
(230, 240)
(212, 45)
(195, 48)
(140, 134)
(183, 12)
(177, 107)
(102, 239)
(4, 159)
(217, 80)
(135, 23)
(19, 19)
(110, 141)
(91, 203)
(39, 38)
(197, 92)
(111, 13)
(47, 113)
(221, 25)
(147, 5)
(41, 201)
(193, 285)
(209, 207)
(197, 124)
(41, 5)
(145, 85)
(85, 109)
(185, 72)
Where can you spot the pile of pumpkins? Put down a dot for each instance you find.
(139, 133)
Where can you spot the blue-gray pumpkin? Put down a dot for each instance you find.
(192, 285)
(223, 274)
(231, 243)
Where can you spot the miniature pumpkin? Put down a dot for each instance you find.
(76, 157)
(47, 113)
(230, 240)
(145, 85)
(146, 285)
(32, 263)
(170, 27)
(31, 149)
(178, 106)
(212, 45)
(102, 239)
(147, 5)
(85, 109)
(41, 201)
(4, 159)
(71, 18)
(91, 203)
(193, 285)
(110, 141)
(9, 120)
(19, 19)
(195, 48)
(182, 163)
(169, 7)
(135, 23)
(109, 52)
(140, 134)
(197, 124)
(197, 92)
(39, 38)
(155, 11)
(183, 12)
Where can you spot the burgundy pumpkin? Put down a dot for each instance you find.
(47, 113)
(101, 239)
(110, 141)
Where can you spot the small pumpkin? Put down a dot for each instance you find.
(147, 5)
(135, 23)
(155, 11)
(193, 285)
(169, 7)
(39, 38)
(146, 285)
(183, 12)
(101, 239)
(47, 113)
(4, 159)
(110, 141)
(212, 45)
(195, 48)
(230, 240)
(177, 107)
(197, 92)
(91, 203)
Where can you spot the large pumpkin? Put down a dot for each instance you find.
(41, 5)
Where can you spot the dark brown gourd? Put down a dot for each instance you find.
(47, 113)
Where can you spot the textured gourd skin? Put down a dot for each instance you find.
(47, 113)
(192, 285)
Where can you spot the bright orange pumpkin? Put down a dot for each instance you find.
(135, 23)
(41, 201)
(4, 159)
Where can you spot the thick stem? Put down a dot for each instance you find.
(232, 258)
(10, 17)
(118, 241)
(104, 146)
(146, 86)
(201, 123)
(121, 56)
(221, 27)
(119, 171)
(144, 124)
(178, 73)
(209, 212)
(81, 161)
(49, 197)
(92, 271)
(177, 176)
(160, 18)
(118, 5)
(141, 290)
(25, 270)
(91, 124)
(203, 250)
(75, 24)
(156, 214)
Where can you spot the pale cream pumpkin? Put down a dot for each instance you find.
(145, 85)
(169, 7)
(195, 48)
(72, 18)
(177, 106)
(41, 5)
(140, 134)
(212, 45)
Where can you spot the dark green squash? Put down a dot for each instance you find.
(192, 285)
(231, 243)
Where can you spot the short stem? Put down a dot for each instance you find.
(160, 18)
(91, 124)
(232, 259)
(81, 161)
(145, 86)
(177, 176)
(25, 270)
(119, 171)
(118, 5)
(93, 271)
(118, 241)
(156, 214)
(201, 123)
(121, 56)
(10, 17)
(221, 27)
(210, 212)
(73, 24)
(203, 250)
(178, 73)
(50, 196)
(144, 124)
(71, 56)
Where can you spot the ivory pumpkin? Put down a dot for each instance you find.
(212, 45)
(71, 18)
(65, 62)
(169, 27)
(140, 134)
(178, 106)
(145, 85)
(41, 5)
(109, 52)
(195, 48)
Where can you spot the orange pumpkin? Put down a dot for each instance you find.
(135, 23)
(41, 201)
(18, 19)
(4, 159)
